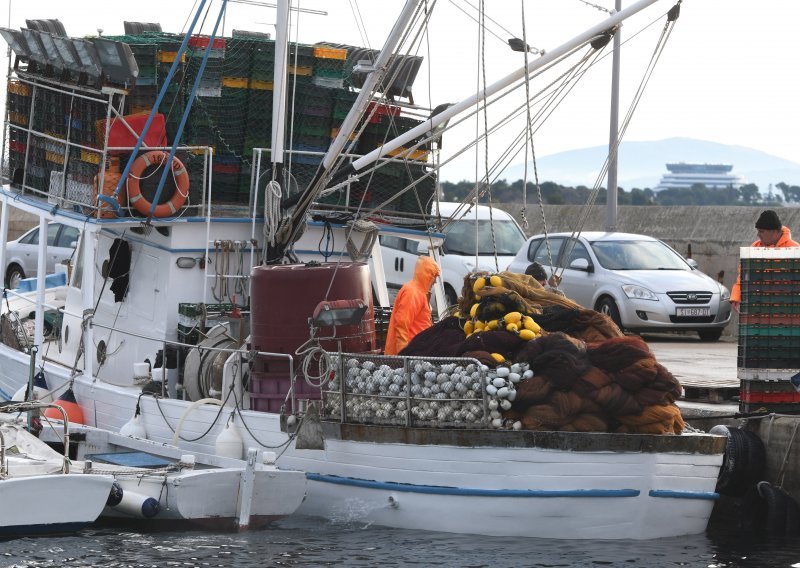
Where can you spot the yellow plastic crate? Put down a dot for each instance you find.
(261, 85)
(299, 70)
(335, 133)
(18, 88)
(90, 157)
(234, 82)
(54, 157)
(169, 56)
(18, 118)
(330, 53)
(401, 152)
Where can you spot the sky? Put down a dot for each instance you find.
(729, 72)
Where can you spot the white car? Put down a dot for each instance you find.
(639, 281)
(470, 230)
(22, 254)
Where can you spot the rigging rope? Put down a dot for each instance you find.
(666, 31)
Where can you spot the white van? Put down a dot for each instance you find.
(470, 230)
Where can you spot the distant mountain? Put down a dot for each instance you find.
(641, 164)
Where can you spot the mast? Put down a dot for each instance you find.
(279, 81)
(613, 149)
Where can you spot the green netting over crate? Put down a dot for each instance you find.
(232, 112)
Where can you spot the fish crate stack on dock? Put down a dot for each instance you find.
(769, 330)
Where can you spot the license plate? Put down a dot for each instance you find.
(693, 312)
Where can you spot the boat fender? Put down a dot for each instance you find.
(743, 464)
(115, 495)
(134, 427)
(229, 443)
(138, 505)
(775, 521)
(179, 174)
(38, 394)
(71, 408)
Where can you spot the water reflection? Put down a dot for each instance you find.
(315, 542)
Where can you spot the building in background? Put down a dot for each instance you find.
(713, 176)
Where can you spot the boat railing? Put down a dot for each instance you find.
(62, 144)
(433, 392)
(38, 407)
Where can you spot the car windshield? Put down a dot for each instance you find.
(637, 255)
(461, 237)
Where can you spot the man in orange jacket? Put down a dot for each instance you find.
(412, 310)
(771, 233)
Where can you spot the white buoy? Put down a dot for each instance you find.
(38, 394)
(229, 443)
(138, 505)
(134, 428)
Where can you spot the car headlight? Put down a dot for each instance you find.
(636, 292)
(724, 293)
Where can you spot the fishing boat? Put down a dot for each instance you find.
(38, 495)
(159, 485)
(230, 277)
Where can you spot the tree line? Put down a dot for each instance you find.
(556, 194)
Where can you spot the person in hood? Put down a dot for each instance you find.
(771, 233)
(412, 310)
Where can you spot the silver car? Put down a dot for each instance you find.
(639, 281)
(22, 254)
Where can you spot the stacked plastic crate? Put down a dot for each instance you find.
(18, 103)
(769, 330)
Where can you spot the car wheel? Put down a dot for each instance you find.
(450, 295)
(709, 334)
(13, 276)
(608, 307)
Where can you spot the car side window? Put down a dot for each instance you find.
(397, 243)
(52, 233)
(31, 238)
(67, 236)
(542, 252)
(534, 244)
(412, 246)
(578, 251)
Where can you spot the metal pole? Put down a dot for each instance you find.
(613, 150)
(279, 81)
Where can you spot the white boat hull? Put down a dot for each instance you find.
(209, 497)
(51, 504)
(474, 488)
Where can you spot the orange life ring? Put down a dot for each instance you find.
(179, 173)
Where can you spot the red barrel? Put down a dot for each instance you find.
(283, 298)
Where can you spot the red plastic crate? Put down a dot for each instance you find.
(201, 42)
(381, 110)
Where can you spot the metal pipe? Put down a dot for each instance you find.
(279, 81)
(611, 192)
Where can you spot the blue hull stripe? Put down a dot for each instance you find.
(463, 491)
(45, 529)
(706, 495)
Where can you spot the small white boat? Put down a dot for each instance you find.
(38, 496)
(160, 483)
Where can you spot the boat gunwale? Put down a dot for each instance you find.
(706, 444)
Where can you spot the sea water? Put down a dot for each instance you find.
(304, 541)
